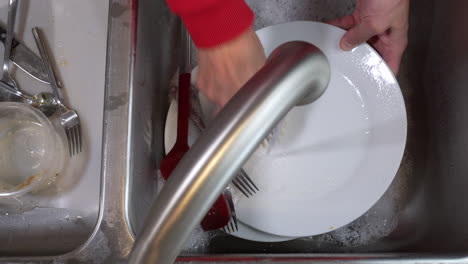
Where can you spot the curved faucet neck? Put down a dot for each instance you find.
(295, 73)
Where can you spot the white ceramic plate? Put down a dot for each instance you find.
(327, 163)
(246, 232)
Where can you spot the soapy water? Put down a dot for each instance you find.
(377, 223)
(198, 241)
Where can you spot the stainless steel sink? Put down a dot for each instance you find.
(420, 210)
(424, 205)
(420, 219)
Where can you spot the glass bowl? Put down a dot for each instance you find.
(32, 152)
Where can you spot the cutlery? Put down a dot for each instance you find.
(26, 60)
(6, 77)
(9, 90)
(69, 118)
(43, 101)
(232, 225)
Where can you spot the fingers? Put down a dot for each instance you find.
(383, 24)
(359, 34)
(392, 55)
(394, 63)
(345, 22)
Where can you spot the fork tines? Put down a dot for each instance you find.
(244, 184)
(71, 123)
(74, 139)
(230, 227)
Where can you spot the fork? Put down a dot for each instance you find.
(69, 118)
(232, 225)
(244, 183)
(241, 181)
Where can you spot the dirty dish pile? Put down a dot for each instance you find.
(32, 149)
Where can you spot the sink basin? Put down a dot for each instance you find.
(424, 205)
(62, 217)
(420, 219)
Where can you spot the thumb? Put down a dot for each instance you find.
(356, 35)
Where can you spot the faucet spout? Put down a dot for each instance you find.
(296, 73)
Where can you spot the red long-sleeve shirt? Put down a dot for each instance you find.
(213, 22)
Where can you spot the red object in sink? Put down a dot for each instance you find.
(218, 216)
(181, 145)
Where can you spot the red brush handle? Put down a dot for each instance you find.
(183, 109)
(218, 216)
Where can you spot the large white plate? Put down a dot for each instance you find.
(327, 163)
(246, 232)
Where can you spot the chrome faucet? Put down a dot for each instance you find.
(296, 73)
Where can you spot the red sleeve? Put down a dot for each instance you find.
(213, 22)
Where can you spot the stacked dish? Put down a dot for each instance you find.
(328, 162)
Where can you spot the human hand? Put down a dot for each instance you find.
(224, 69)
(383, 23)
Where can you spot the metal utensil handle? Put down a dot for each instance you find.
(7, 89)
(12, 7)
(45, 56)
(3, 34)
